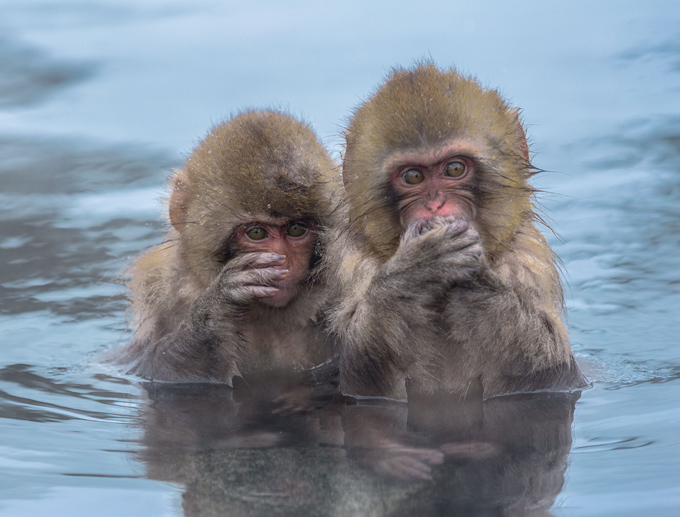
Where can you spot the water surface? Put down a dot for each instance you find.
(99, 100)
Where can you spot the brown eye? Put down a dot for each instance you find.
(455, 169)
(256, 234)
(297, 229)
(413, 176)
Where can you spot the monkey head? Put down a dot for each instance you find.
(432, 143)
(260, 182)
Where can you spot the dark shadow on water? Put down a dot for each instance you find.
(54, 244)
(35, 166)
(504, 456)
(30, 76)
(667, 50)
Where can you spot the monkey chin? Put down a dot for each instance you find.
(282, 298)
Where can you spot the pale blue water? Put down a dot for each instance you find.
(99, 99)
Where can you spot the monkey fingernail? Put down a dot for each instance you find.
(271, 291)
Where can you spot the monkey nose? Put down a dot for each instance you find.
(435, 204)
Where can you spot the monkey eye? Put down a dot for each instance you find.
(413, 176)
(297, 229)
(455, 169)
(257, 233)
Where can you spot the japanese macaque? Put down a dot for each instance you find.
(444, 282)
(234, 289)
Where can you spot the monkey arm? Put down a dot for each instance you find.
(506, 329)
(206, 344)
(388, 313)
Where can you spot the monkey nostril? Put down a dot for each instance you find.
(434, 205)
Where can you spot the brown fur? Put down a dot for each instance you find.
(446, 310)
(258, 166)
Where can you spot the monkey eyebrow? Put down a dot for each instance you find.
(399, 167)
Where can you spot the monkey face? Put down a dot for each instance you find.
(431, 183)
(436, 118)
(294, 241)
(257, 168)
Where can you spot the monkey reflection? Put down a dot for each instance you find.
(184, 419)
(444, 281)
(235, 290)
(502, 456)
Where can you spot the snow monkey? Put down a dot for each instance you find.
(234, 289)
(444, 282)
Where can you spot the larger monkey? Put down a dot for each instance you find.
(233, 290)
(445, 282)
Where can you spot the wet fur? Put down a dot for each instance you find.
(448, 309)
(257, 166)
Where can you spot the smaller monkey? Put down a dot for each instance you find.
(444, 283)
(234, 290)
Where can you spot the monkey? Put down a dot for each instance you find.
(443, 281)
(235, 290)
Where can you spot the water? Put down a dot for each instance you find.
(99, 99)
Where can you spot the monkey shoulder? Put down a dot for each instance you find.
(528, 265)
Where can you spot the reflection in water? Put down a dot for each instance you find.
(503, 456)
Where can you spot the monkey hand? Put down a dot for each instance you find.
(297, 400)
(250, 277)
(402, 462)
(438, 252)
(468, 450)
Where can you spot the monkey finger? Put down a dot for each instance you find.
(444, 232)
(431, 456)
(449, 219)
(459, 231)
(264, 276)
(465, 262)
(268, 260)
(474, 450)
(261, 292)
(407, 467)
(467, 243)
(435, 457)
(255, 260)
(292, 402)
(247, 293)
(458, 223)
(424, 226)
(418, 228)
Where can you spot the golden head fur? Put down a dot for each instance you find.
(420, 109)
(258, 166)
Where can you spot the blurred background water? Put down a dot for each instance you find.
(99, 99)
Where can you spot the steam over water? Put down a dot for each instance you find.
(98, 100)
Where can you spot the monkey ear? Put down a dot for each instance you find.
(177, 207)
(523, 144)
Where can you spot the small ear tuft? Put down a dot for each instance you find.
(177, 207)
(523, 144)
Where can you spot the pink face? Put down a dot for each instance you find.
(435, 183)
(294, 240)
